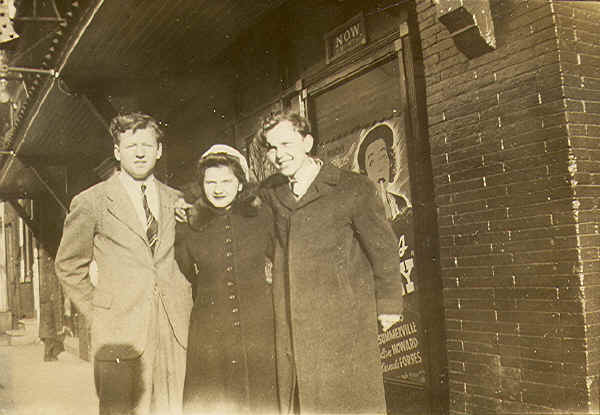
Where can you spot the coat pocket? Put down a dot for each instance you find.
(102, 299)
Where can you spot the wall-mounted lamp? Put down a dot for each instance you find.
(10, 73)
(470, 24)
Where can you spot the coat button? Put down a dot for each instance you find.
(232, 297)
(229, 269)
(230, 283)
(235, 310)
(227, 227)
(228, 240)
(236, 324)
(228, 254)
(234, 362)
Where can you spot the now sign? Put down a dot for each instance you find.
(345, 38)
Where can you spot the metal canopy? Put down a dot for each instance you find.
(134, 39)
(116, 43)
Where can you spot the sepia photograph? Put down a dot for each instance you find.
(316, 207)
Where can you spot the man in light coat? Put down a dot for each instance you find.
(139, 308)
(335, 276)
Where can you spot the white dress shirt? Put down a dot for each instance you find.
(306, 174)
(134, 190)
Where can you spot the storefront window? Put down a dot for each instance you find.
(361, 127)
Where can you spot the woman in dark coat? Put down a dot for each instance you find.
(223, 251)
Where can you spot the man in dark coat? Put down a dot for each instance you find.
(336, 275)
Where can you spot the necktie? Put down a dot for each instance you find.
(151, 223)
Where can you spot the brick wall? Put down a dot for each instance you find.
(514, 146)
(579, 54)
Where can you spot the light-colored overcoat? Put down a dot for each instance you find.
(103, 225)
(336, 270)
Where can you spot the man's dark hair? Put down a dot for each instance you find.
(385, 133)
(300, 124)
(133, 121)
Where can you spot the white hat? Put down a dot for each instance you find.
(222, 148)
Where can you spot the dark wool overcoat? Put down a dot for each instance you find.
(338, 270)
(231, 357)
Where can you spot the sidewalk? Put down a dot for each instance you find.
(30, 386)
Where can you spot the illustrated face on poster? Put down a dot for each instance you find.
(381, 155)
(377, 161)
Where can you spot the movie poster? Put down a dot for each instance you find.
(379, 151)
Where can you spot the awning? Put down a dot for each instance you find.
(60, 127)
(112, 46)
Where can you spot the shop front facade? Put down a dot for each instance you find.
(478, 124)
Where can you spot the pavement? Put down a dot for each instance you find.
(30, 386)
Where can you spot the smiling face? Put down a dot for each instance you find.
(138, 151)
(377, 161)
(221, 186)
(287, 149)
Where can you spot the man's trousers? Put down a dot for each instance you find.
(149, 384)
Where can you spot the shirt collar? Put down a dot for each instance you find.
(307, 171)
(136, 185)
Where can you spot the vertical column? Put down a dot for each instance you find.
(3, 270)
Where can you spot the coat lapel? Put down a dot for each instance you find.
(285, 196)
(121, 206)
(328, 176)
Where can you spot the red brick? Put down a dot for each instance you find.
(525, 245)
(542, 394)
(463, 229)
(587, 71)
(522, 224)
(579, 24)
(523, 271)
(471, 315)
(461, 186)
(582, 94)
(498, 259)
(485, 193)
(495, 327)
(516, 200)
(529, 317)
(447, 168)
(453, 209)
(545, 279)
(482, 238)
(462, 250)
(531, 293)
(474, 272)
(484, 282)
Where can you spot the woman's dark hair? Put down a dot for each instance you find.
(383, 132)
(218, 160)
